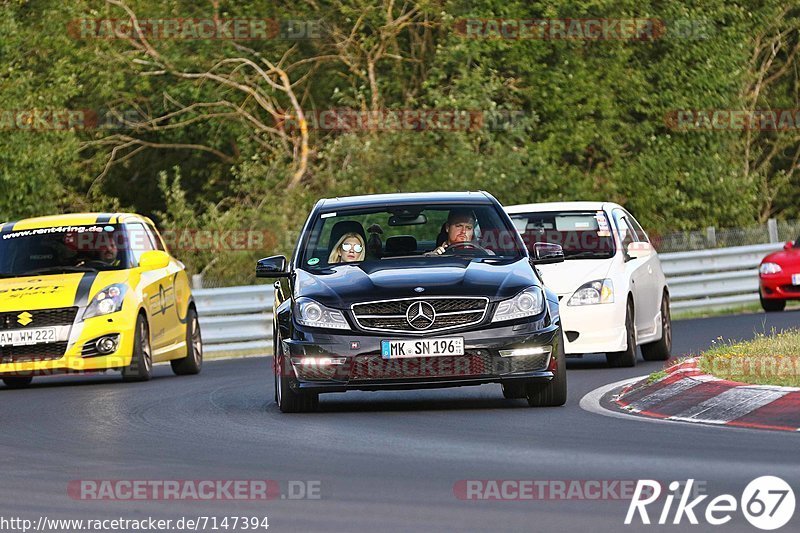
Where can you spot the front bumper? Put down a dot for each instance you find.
(358, 364)
(74, 355)
(778, 287)
(597, 328)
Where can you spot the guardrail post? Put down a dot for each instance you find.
(711, 236)
(197, 281)
(772, 227)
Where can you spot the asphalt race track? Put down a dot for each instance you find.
(384, 461)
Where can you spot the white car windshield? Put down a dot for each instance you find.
(582, 234)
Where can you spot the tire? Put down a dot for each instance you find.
(627, 357)
(17, 382)
(275, 367)
(141, 367)
(661, 350)
(290, 401)
(772, 306)
(193, 362)
(514, 391)
(554, 392)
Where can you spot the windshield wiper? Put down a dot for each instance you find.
(583, 254)
(57, 270)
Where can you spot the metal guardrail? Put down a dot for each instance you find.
(240, 318)
(235, 318)
(718, 278)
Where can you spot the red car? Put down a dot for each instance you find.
(779, 277)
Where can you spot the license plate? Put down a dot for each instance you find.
(25, 337)
(795, 279)
(422, 348)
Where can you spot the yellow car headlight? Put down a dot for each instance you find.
(107, 301)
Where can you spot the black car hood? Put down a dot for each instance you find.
(345, 284)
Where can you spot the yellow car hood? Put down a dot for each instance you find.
(62, 290)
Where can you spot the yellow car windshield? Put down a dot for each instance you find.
(59, 249)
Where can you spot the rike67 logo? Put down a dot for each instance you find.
(767, 503)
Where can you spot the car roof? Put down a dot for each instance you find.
(388, 200)
(77, 219)
(560, 206)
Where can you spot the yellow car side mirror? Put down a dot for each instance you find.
(154, 259)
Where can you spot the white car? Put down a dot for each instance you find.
(612, 291)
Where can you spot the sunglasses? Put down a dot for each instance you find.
(355, 247)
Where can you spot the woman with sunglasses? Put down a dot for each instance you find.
(349, 248)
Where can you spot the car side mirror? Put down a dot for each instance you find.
(272, 267)
(638, 250)
(788, 246)
(154, 259)
(545, 253)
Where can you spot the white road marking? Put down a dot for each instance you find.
(661, 395)
(730, 405)
(591, 403)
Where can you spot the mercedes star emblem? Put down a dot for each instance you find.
(421, 315)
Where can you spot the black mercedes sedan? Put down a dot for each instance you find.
(408, 291)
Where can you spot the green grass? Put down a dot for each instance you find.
(744, 309)
(655, 376)
(772, 359)
(237, 353)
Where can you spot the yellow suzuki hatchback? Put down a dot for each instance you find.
(92, 292)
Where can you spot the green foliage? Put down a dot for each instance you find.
(589, 116)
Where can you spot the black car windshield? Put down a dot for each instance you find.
(384, 234)
(63, 249)
(582, 234)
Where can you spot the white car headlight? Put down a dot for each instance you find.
(769, 268)
(314, 314)
(107, 301)
(599, 291)
(529, 302)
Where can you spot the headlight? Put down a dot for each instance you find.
(599, 291)
(769, 268)
(316, 315)
(529, 302)
(107, 301)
